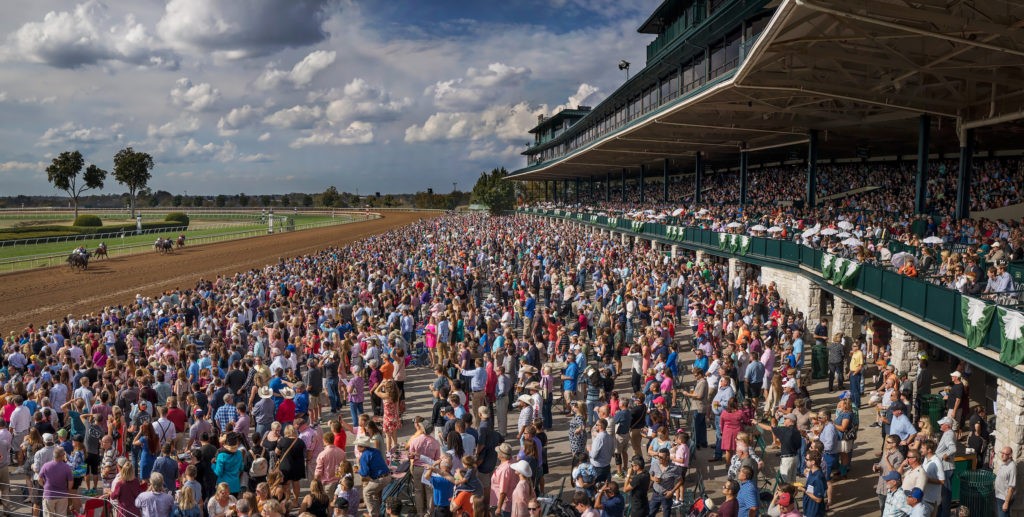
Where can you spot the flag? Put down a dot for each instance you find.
(827, 263)
(837, 269)
(977, 319)
(734, 243)
(1012, 337)
(723, 241)
(744, 245)
(850, 275)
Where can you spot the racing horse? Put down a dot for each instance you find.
(101, 251)
(181, 241)
(163, 245)
(79, 259)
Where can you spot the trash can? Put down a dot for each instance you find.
(935, 407)
(961, 464)
(977, 491)
(819, 361)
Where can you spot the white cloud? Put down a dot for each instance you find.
(21, 166)
(183, 125)
(356, 133)
(225, 152)
(295, 117)
(240, 29)
(478, 88)
(194, 97)
(301, 74)
(358, 100)
(71, 133)
(264, 137)
(87, 36)
(490, 151)
(256, 158)
(238, 118)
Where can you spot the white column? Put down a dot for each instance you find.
(1009, 417)
(842, 318)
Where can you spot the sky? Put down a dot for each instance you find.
(278, 96)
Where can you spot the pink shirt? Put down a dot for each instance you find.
(327, 464)
(423, 445)
(503, 481)
(521, 496)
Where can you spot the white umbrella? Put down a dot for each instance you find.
(843, 235)
(734, 224)
(829, 231)
(677, 211)
(775, 229)
(810, 232)
(758, 228)
(852, 242)
(901, 258)
(933, 240)
(846, 225)
(702, 211)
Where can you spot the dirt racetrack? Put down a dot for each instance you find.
(51, 293)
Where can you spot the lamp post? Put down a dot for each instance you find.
(624, 65)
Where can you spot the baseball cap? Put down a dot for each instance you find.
(844, 395)
(785, 499)
(945, 421)
(916, 493)
(956, 374)
(892, 475)
(898, 406)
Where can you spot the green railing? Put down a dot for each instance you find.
(928, 302)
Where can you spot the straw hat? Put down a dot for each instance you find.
(265, 392)
(523, 468)
(364, 442)
(287, 392)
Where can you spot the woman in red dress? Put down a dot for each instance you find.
(392, 422)
(733, 420)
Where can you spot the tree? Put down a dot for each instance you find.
(132, 169)
(221, 200)
(330, 196)
(286, 200)
(495, 190)
(266, 200)
(197, 201)
(178, 200)
(63, 175)
(243, 200)
(307, 200)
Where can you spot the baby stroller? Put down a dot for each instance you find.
(420, 356)
(399, 488)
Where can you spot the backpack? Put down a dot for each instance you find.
(259, 468)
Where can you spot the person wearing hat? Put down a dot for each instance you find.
(523, 493)
(526, 413)
(915, 500)
(286, 409)
(263, 411)
(784, 502)
(229, 463)
(374, 471)
(503, 480)
(901, 425)
(895, 499)
(945, 450)
(569, 380)
(790, 442)
(56, 477)
(442, 482)
(955, 398)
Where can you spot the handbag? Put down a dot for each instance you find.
(285, 455)
(845, 446)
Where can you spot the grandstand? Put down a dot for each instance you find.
(890, 122)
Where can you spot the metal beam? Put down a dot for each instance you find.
(728, 128)
(963, 184)
(678, 142)
(921, 181)
(778, 145)
(698, 182)
(812, 168)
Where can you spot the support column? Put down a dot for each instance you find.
(592, 200)
(643, 172)
(675, 250)
(664, 179)
(608, 187)
(921, 181)
(546, 196)
(905, 348)
(812, 168)
(625, 239)
(700, 256)
(842, 318)
(744, 157)
(623, 185)
(565, 191)
(554, 190)
(963, 184)
(1009, 417)
(577, 189)
(698, 182)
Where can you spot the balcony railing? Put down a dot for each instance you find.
(930, 303)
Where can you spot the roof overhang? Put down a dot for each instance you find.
(861, 72)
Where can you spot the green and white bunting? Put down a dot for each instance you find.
(827, 263)
(850, 274)
(839, 265)
(744, 246)
(977, 319)
(734, 242)
(1012, 337)
(723, 241)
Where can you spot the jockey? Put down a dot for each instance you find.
(103, 246)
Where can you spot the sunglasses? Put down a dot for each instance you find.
(532, 508)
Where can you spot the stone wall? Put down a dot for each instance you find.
(843, 319)
(799, 292)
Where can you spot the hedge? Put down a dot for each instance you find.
(34, 232)
(179, 217)
(89, 220)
